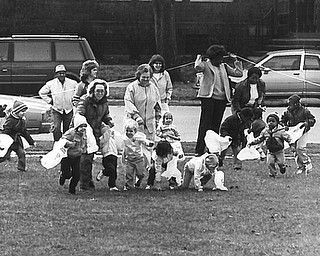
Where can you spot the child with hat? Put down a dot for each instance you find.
(15, 126)
(77, 145)
(295, 114)
(274, 135)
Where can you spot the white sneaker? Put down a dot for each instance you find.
(99, 175)
(299, 171)
(148, 187)
(222, 188)
(114, 189)
(308, 168)
(200, 189)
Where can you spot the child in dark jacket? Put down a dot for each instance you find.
(274, 135)
(257, 126)
(15, 126)
(233, 126)
(76, 144)
(295, 114)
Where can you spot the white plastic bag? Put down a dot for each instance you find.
(248, 153)
(5, 143)
(215, 143)
(54, 157)
(172, 171)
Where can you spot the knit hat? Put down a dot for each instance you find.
(275, 116)
(79, 120)
(87, 66)
(294, 99)
(18, 106)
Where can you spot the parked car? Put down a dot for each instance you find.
(27, 62)
(38, 114)
(290, 71)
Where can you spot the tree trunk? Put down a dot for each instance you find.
(165, 30)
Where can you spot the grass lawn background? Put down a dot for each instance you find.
(257, 216)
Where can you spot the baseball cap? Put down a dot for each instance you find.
(60, 68)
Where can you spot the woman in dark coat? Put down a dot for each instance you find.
(249, 92)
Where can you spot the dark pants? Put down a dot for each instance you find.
(211, 115)
(110, 169)
(16, 147)
(86, 171)
(59, 118)
(152, 174)
(70, 168)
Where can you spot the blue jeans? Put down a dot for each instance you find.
(59, 118)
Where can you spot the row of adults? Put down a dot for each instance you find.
(145, 99)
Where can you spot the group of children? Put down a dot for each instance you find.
(168, 149)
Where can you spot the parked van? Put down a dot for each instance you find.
(27, 62)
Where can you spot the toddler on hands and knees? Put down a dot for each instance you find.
(203, 168)
(133, 158)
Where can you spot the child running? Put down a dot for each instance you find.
(133, 158)
(274, 135)
(110, 157)
(162, 156)
(15, 126)
(77, 145)
(295, 114)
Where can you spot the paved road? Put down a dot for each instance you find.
(186, 118)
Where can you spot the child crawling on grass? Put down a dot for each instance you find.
(202, 169)
(275, 136)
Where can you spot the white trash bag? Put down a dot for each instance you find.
(54, 157)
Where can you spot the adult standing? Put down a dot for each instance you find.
(249, 92)
(88, 72)
(214, 91)
(162, 80)
(142, 104)
(94, 107)
(59, 92)
(142, 101)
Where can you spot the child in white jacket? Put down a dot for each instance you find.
(202, 169)
(133, 157)
(109, 152)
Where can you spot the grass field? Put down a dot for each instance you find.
(257, 216)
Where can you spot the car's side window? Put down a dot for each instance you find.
(291, 62)
(311, 62)
(69, 51)
(4, 51)
(32, 51)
